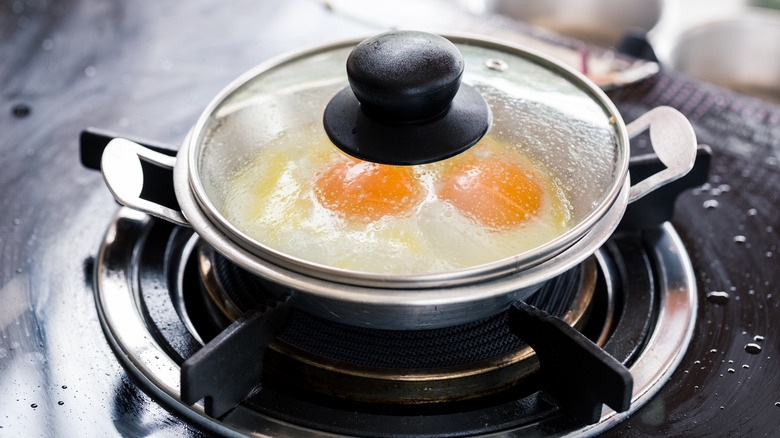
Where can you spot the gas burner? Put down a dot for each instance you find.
(393, 366)
(636, 298)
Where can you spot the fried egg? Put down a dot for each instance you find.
(300, 195)
(364, 191)
(496, 192)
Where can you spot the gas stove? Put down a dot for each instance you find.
(101, 306)
(162, 294)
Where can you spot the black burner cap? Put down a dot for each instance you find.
(406, 104)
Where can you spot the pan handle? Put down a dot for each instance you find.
(122, 166)
(673, 141)
(93, 141)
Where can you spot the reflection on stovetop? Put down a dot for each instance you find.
(147, 69)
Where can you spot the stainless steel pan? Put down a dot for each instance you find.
(413, 300)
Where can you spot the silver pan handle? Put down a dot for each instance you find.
(673, 141)
(124, 176)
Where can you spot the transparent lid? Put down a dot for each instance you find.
(552, 161)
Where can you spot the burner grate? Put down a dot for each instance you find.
(396, 349)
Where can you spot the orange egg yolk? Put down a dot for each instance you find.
(497, 193)
(366, 192)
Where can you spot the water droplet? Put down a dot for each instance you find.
(47, 44)
(21, 110)
(34, 405)
(768, 254)
(753, 348)
(758, 338)
(752, 212)
(60, 402)
(777, 403)
(713, 350)
(740, 239)
(745, 366)
(710, 204)
(64, 386)
(722, 407)
(90, 71)
(718, 297)
(731, 370)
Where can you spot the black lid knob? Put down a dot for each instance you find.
(406, 103)
(405, 76)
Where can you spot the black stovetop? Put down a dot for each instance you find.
(147, 68)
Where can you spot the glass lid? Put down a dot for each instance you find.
(552, 161)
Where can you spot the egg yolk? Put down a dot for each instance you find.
(497, 193)
(366, 192)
